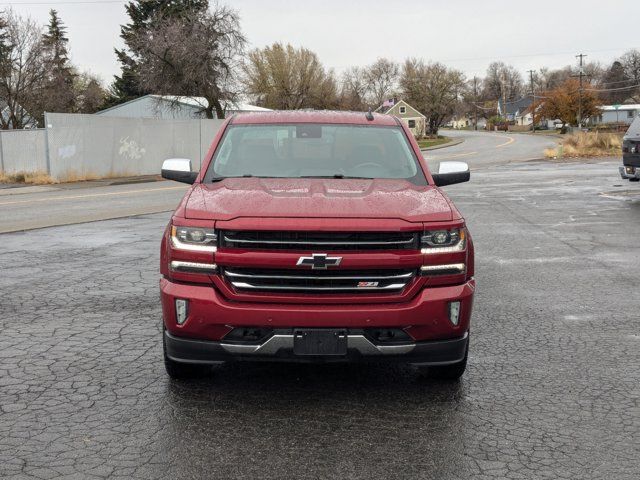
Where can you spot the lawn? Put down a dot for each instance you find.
(432, 142)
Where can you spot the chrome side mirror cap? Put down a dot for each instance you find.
(179, 170)
(451, 172)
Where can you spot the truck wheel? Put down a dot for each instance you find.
(179, 370)
(448, 372)
(634, 179)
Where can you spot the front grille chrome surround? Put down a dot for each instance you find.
(318, 282)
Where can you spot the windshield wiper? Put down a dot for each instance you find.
(336, 175)
(216, 179)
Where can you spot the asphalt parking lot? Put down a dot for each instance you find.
(552, 390)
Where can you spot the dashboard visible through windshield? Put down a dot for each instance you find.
(315, 151)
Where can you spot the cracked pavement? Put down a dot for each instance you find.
(552, 390)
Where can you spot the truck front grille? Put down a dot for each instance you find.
(318, 282)
(326, 241)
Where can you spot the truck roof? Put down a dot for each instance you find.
(313, 116)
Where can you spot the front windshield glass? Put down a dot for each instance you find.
(314, 150)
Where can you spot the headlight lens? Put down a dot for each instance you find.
(194, 238)
(443, 241)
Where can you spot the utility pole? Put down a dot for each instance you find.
(580, 74)
(475, 103)
(533, 103)
(504, 101)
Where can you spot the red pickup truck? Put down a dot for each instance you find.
(318, 237)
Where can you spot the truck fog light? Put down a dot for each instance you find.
(630, 170)
(454, 312)
(181, 310)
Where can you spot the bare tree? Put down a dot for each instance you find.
(197, 54)
(502, 80)
(631, 63)
(354, 89)
(433, 89)
(382, 77)
(89, 93)
(283, 77)
(22, 71)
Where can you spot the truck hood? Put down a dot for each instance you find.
(235, 198)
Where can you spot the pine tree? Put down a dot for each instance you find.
(142, 14)
(58, 89)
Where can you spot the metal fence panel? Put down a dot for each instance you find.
(208, 131)
(23, 151)
(101, 146)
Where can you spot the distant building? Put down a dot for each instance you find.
(413, 118)
(171, 107)
(612, 114)
(28, 121)
(516, 110)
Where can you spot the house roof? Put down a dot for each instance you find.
(195, 102)
(387, 105)
(520, 105)
(608, 108)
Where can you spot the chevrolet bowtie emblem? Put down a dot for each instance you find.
(319, 261)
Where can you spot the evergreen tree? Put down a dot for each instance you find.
(58, 89)
(143, 13)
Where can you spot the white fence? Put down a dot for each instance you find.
(91, 145)
(23, 151)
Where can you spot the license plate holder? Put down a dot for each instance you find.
(319, 341)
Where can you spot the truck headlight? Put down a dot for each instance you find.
(194, 239)
(443, 241)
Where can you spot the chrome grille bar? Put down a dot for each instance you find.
(336, 281)
(231, 273)
(302, 240)
(316, 243)
(392, 286)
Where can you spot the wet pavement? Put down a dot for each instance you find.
(552, 390)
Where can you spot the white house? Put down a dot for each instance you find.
(621, 114)
(172, 107)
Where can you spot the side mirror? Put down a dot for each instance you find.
(450, 173)
(179, 170)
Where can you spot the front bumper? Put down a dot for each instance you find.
(628, 172)
(279, 347)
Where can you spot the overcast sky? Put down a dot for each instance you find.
(466, 34)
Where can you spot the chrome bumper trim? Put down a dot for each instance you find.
(354, 342)
(628, 176)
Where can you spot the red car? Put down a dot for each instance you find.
(316, 236)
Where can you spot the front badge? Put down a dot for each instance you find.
(319, 261)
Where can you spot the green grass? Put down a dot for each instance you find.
(432, 142)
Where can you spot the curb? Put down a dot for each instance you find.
(452, 143)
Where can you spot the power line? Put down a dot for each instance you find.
(65, 2)
(611, 89)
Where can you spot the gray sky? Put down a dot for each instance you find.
(466, 34)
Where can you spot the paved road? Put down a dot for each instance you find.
(36, 207)
(482, 149)
(552, 390)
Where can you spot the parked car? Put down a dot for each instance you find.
(316, 237)
(630, 169)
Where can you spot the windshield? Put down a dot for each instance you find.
(314, 150)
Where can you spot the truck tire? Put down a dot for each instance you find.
(634, 179)
(179, 370)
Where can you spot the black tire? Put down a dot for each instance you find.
(449, 373)
(634, 179)
(179, 370)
